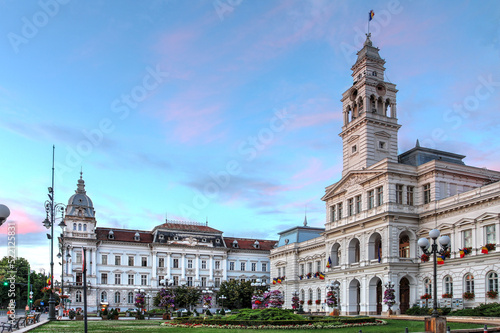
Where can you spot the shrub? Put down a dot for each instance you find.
(483, 310)
(222, 312)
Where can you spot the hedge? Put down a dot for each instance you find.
(221, 321)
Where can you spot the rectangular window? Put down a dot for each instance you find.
(144, 261)
(409, 195)
(339, 211)
(380, 195)
(231, 266)
(203, 281)
(217, 282)
(104, 259)
(467, 238)
(358, 204)
(350, 207)
(131, 281)
(279, 271)
(254, 266)
(189, 281)
(79, 279)
(175, 263)
(427, 193)
(264, 267)
(118, 279)
(161, 262)
(78, 257)
(243, 266)
(309, 267)
(118, 260)
(203, 264)
(217, 264)
(104, 278)
(190, 263)
(332, 213)
(318, 266)
(130, 261)
(144, 280)
(490, 234)
(176, 280)
(302, 269)
(399, 194)
(371, 199)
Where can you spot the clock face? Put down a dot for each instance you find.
(381, 90)
(354, 94)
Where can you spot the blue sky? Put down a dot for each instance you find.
(226, 110)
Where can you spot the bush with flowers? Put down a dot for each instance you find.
(295, 302)
(389, 298)
(331, 300)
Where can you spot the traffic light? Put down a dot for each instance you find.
(6, 283)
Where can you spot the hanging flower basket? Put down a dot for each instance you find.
(468, 295)
(318, 302)
(447, 295)
(331, 300)
(301, 302)
(426, 296)
(309, 302)
(490, 246)
(492, 294)
(424, 257)
(466, 250)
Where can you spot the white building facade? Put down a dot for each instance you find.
(119, 261)
(383, 204)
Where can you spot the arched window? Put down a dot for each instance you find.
(80, 213)
(492, 278)
(85, 227)
(354, 251)
(79, 227)
(335, 254)
(469, 283)
(427, 286)
(74, 226)
(318, 294)
(302, 295)
(104, 297)
(117, 297)
(404, 246)
(310, 294)
(130, 297)
(78, 296)
(448, 285)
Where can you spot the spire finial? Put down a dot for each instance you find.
(368, 41)
(417, 144)
(305, 217)
(81, 172)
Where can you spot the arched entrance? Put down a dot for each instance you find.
(354, 297)
(379, 297)
(404, 295)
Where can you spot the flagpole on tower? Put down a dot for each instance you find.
(371, 14)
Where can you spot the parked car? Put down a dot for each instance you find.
(132, 310)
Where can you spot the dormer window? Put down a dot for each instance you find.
(137, 237)
(235, 243)
(217, 241)
(256, 244)
(161, 237)
(203, 240)
(111, 235)
(176, 237)
(84, 227)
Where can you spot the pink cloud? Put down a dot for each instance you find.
(25, 223)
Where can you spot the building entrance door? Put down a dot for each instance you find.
(404, 295)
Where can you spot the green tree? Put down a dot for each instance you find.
(20, 269)
(184, 297)
(238, 293)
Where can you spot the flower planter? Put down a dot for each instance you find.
(166, 316)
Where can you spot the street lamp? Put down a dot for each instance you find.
(258, 283)
(51, 209)
(148, 296)
(424, 245)
(222, 298)
(4, 214)
(60, 255)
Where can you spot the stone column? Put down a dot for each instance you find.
(183, 267)
(168, 260)
(154, 273)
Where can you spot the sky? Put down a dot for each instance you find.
(225, 111)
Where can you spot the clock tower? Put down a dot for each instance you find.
(370, 128)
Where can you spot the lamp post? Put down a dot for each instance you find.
(51, 208)
(444, 241)
(207, 298)
(4, 214)
(222, 298)
(257, 284)
(295, 300)
(60, 255)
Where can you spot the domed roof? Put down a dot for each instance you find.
(80, 202)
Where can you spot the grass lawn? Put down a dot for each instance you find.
(154, 326)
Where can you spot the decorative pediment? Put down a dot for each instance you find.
(488, 216)
(383, 134)
(350, 180)
(280, 263)
(353, 138)
(464, 222)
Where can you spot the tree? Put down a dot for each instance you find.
(19, 269)
(185, 296)
(238, 293)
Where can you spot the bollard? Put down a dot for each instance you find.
(448, 330)
(360, 331)
(406, 329)
(485, 328)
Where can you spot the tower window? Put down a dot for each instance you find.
(374, 73)
(354, 149)
(381, 144)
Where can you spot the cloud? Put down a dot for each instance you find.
(23, 222)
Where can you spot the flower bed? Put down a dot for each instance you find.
(283, 324)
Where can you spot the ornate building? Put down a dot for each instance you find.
(121, 260)
(383, 204)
